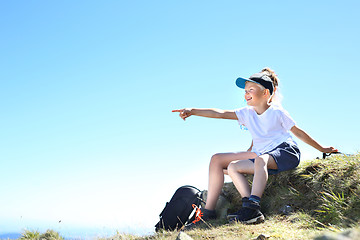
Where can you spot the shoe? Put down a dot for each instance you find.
(236, 214)
(245, 202)
(201, 216)
(248, 216)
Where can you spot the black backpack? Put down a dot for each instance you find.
(180, 209)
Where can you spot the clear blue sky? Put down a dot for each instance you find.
(87, 89)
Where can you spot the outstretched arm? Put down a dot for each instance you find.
(206, 112)
(302, 135)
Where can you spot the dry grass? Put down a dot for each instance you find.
(297, 226)
(324, 196)
(328, 190)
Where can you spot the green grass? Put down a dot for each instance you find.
(35, 235)
(276, 227)
(324, 196)
(328, 190)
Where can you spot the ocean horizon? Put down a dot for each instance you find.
(10, 235)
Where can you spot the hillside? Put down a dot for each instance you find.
(321, 197)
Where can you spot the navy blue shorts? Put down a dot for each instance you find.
(286, 156)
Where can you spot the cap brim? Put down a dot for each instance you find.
(240, 82)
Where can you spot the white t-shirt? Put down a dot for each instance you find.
(269, 129)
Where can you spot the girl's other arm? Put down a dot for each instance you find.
(303, 136)
(206, 112)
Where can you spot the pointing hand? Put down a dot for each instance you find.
(183, 113)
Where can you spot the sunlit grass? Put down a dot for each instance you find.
(35, 235)
(327, 189)
(323, 195)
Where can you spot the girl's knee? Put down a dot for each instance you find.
(232, 169)
(215, 159)
(260, 161)
(215, 156)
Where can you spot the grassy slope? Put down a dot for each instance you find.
(276, 227)
(328, 190)
(324, 195)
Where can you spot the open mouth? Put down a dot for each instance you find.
(248, 99)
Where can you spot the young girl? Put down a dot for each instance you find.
(273, 149)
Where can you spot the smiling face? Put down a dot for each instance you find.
(255, 94)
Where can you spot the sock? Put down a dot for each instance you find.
(253, 202)
(244, 200)
(255, 198)
(208, 214)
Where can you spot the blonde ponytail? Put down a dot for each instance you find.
(271, 73)
(276, 97)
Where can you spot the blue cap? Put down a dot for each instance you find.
(259, 78)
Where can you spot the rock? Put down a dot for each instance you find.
(222, 205)
(183, 236)
(286, 210)
(262, 237)
(353, 234)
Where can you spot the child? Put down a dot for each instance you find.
(273, 150)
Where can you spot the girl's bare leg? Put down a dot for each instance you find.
(237, 169)
(218, 163)
(261, 165)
